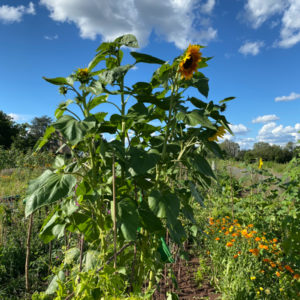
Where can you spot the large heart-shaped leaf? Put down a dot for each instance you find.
(46, 189)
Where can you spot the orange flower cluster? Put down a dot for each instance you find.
(233, 233)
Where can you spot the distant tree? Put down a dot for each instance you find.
(8, 130)
(29, 134)
(231, 149)
(38, 126)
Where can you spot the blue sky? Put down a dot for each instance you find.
(255, 45)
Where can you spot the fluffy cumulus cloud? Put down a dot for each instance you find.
(288, 11)
(252, 48)
(174, 20)
(11, 14)
(291, 97)
(239, 129)
(265, 119)
(259, 11)
(278, 134)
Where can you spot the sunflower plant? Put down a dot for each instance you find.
(123, 195)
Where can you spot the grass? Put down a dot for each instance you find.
(14, 181)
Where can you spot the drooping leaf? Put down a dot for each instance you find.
(95, 61)
(110, 76)
(96, 101)
(128, 40)
(164, 205)
(60, 80)
(72, 129)
(128, 219)
(53, 286)
(200, 164)
(145, 58)
(45, 139)
(46, 189)
(71, 255)
(195, 193)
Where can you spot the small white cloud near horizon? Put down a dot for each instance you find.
(51, 38)
(292, 96)
(20, 117)
(11, 14)
(278, 135)
(174, 20)
(239, 129)
(251, 48)
(265, 119)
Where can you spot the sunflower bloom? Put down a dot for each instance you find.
(219, 134)
(189, 64)
(260, 163)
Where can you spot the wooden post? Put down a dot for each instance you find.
(114, 212)
(28, 252)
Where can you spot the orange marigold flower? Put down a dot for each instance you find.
(235, 221)
(261, 246)
(223, 228)
(254, 251)
(233, 240)
(297, 276)
(277, 274)
(257, 239)
(273, 265)
(262, 271)
(235, 234)
(287, 267)
(250, 225)
(235, 256)
(227, 232)
(229, 244)
(189, 63)
(275, 240)
(266, 260)
(244, 232)
(217, 238)
(249, 235)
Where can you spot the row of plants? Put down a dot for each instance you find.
(116, 200)
(15, 158)
(252, 234)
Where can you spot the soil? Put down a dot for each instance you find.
(187, 286)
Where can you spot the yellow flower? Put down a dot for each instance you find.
(189, 64)
(252, 277)
(261, 288)
(260, 163)
(277, 274)
(219, 134)
(267, 291)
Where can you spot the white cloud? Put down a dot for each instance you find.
(252, 48)
(258, 11)
(265, 119)
(174, 20)
(290, 32)
(20, 117)
(239, 129)
(291, 97)
(209, 6)
(50, 38)
(11, 14)
(246, 143)
(279, 135)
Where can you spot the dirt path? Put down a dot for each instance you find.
(187, 286)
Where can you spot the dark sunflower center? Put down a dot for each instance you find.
(187, 64)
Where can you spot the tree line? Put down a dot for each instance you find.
(260, 150)
(21, 136)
